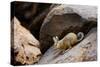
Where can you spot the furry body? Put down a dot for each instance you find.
(68, 41)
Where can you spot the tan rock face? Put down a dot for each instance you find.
(25, 45)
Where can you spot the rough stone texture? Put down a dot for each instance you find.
(36, 23)
(86, 50)
(31, 15)
(25, 48)
(86, 12)
(64, 19)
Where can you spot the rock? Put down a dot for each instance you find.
(86, 12)
(86, 50)
(64, 19)
(24, 11)
(31, 15)
(36, 23)
(25, 47)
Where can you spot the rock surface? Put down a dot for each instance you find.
(64, 19)
(44, 21)
(25, 47)
(86, 50)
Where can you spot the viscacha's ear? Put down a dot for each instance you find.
(55, 39)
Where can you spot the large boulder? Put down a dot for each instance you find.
(24, 46)
(64, 19)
